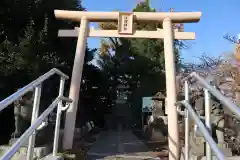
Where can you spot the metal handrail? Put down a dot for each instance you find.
(203, 130)
(207, 129)
(37, 87)
(226, 101)
(15, 96)
(15, 147)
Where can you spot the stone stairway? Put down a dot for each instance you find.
(123, 145)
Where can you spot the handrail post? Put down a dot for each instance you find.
(208, 137)
(36, 103)
(186, 154)
(58, 118)
(208, 122)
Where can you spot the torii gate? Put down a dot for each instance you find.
(125, 29)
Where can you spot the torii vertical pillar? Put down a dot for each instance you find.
(173, 134)
(75, 84)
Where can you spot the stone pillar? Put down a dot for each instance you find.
(75, 84)
(173, 135)
(219, 122)
(237, 95)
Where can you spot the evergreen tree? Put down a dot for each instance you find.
(30, 46)
(136, 62)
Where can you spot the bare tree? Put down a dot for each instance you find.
(232, 39)
(223, 70)
(206, 65)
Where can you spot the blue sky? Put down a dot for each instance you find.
(218, 18)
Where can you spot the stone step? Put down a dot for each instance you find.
(21, 154)
(52, 157)
(215, 158)
(197, 155)
(122, 157)
(123, 145)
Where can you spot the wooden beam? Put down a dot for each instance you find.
(137, 34)
(176, 17)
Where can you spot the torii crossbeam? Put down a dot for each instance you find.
(126, 29)
(158, 34)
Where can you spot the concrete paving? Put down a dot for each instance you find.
(122, 145)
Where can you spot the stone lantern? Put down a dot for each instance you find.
(122, 112)
(156, 130)
(159, 105)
